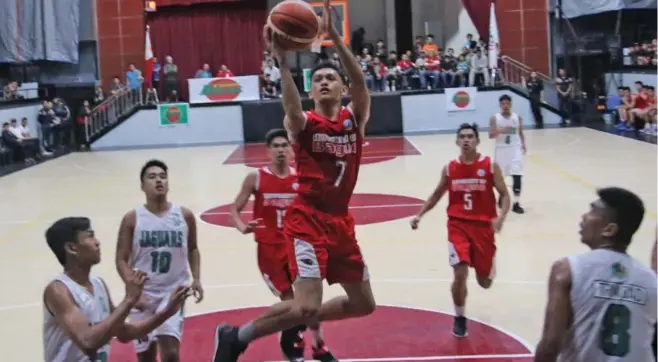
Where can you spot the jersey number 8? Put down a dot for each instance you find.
(614, 339)
(160, 262)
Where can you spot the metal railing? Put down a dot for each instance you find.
(111, 110)
(515, 73)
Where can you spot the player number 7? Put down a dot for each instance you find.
(468, 202)
(341, 173)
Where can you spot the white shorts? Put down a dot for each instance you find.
(171, 327)
(510, 160)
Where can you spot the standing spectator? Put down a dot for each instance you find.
(134, 78)
(430, 46)
(81, 125)
(418, 47)
(204, 72)
(64, 128)
(479, 65)
(406, 70)
(117, 87)
(46, 119)
(564, 94)
(155, 78)
(170, 72)
(99, 96)
(482, 45)
(470, 43)
(535, 88)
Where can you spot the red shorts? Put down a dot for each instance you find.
(322, 246)
(473, 243)
(273, 265)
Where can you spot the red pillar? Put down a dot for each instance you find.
(523, 26)
(121, 31)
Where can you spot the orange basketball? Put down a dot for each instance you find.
(295, 24)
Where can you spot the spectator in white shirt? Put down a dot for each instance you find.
(25, 129)
(15, 129)
(479, 65)
(272, 71)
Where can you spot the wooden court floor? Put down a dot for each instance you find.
(409, 270)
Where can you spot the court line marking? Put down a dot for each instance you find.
(436, 358)
(414, 145)
(383, 206)
(374, 281)
(572, 177)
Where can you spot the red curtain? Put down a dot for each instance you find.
(228, 33)
(162, 3)
(478, 11)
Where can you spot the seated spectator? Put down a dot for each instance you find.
(10, 92)
(449, 67)
(25, 129)
(433, 68)
(367, 71)
(392, 74)
(204, 72)
(421, 67)
(405, 70)
(15, 144)
(463, 69)
(479, 65)
(224, 72)
(470, 43)
(430, 46)
(379, 74)
(15, 129)
(269, 89)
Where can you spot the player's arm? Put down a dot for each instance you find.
(125, 245)
(499, 184)
(193, 255)
(438, 193)
(247, 189)
(521, 134)
(558, 316)
(493, 128)
(88, 338)
(359, 91)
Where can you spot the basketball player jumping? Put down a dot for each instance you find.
(602, 304)
(79, 318)
(472, 220)
(274, 188)
(506, 127)
(318, 226)
(160, 238)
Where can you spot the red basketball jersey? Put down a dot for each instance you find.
(272, 196)
(471, 190)
(640, 101)
(328, 155)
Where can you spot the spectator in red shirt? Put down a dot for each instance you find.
(433, 68)
(224, 72)
(380, 73)
(405, 70)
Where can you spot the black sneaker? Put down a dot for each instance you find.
(227, 346)
(517, 208)
(459, 329)
(292, 344)
(321, 353)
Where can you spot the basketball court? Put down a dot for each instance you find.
(410, 272)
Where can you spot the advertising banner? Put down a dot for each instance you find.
(215, 90)
(460, 99)
(174, 114)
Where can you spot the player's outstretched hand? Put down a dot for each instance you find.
(252, 225)
(414, 222)
(197, 290)
(497, 224)
(135, 285)
(177, 299)
(272, 43)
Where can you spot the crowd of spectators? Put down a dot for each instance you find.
(642, 54)
(636, 109)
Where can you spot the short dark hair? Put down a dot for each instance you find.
(627, 209)
(471, 126)
(65, 231)
(274, 133)
(649, 87)
(328, 65)
(13, 120)
(152, 163)
(5, 124)
(640, 83)
(504, 97)
(24, 119)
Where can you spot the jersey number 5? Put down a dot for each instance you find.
(340, 164)
(614, 338)
(468, 201)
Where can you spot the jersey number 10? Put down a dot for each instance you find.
(160, 262)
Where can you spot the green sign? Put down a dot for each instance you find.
(173, 114)
(307, 80)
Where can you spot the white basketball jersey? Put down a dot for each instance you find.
(510, 138)
(160, 248)
(57, 346)
(613, 298)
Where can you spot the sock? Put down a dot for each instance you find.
(316, 337)
(459, 311)
(246, 333)
(517, 199)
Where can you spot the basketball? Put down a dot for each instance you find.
(295, 24)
